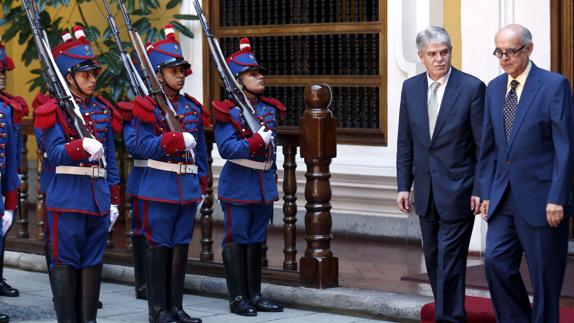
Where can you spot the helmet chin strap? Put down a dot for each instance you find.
(164, 83)
(78, 88)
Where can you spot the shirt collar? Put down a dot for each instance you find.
(522, 77)
(443, 80)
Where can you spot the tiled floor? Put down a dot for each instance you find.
(34, 305)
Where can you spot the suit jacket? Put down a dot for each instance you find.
(537, 162)
(447, 160)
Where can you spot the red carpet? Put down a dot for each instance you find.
(475, 278)
(479, 310)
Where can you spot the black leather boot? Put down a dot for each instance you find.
(5, 289)
(140, 246)
(48, 257)
(177, 282)
(4, 318)
(234, 264)
(90, 280)
(254, 281)
(158, 263)
(65, 283)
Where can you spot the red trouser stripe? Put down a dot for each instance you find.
(146, 223)
(229, 230)
(55, 238)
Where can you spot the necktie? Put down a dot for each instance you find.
(433, 106)
(510, 107)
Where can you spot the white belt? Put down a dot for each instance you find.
(174, 168)
(93, 171)
(140, 162)
(252, 164)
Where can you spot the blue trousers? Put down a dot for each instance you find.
(546, 248)
(78, 240)
(245, 223)
(168, 225)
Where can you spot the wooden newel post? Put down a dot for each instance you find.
(318, 142)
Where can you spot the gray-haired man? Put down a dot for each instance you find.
(438, 142)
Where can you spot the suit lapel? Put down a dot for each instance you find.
(422, 108)
(449, 98)
(528, 93)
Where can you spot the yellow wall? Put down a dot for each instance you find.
(451, 9)
(94, 14)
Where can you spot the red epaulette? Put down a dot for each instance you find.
(40, 99)
(115, 115)
(143, 109)
(17, 112)
(126, 110)
(45, 115)
(23, 105)
(204, 113)
(276, 103)
(221, 109)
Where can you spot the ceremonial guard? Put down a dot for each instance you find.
(19, 109)
(82, 196)
(247, 183)
(9, 115)
(139, 243)
(173, 182)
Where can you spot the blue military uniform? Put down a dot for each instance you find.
(10, 113)
(19, 109)
(170, 187)
(79, 196)
(247, 189)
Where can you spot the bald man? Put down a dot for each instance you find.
(525, 168)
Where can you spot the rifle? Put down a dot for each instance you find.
(232, 88)
(138, 86)
(155, 88)
(56, 83)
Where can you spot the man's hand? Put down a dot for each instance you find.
(7, 221)
(554, 214)
(475, 204)
(94, 148)
(403, 202)
(266, 135)
(484, 209)
(114, 214)
(189, 140)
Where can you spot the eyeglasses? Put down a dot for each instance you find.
(510, 53)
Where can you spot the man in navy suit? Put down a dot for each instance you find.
(525, 172)
(438, 142)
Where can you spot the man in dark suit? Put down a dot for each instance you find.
(438, 141)
(525, 172)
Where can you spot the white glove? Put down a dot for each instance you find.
(94, 148)
(189, 140)
(114, 214)
(266, 135)
(7, 221)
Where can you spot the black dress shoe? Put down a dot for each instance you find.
(183, 317)
(165, 317)
(4, 318)
(141, 292)
(242, 307)
(7, 290)
(100, 305)
(263, 305)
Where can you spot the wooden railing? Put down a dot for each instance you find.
(316, 138)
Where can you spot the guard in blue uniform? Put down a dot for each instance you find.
(19, 109)
(247, 183)
(82, 197)
(173, 182)
(138, 235)
(8, 155)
